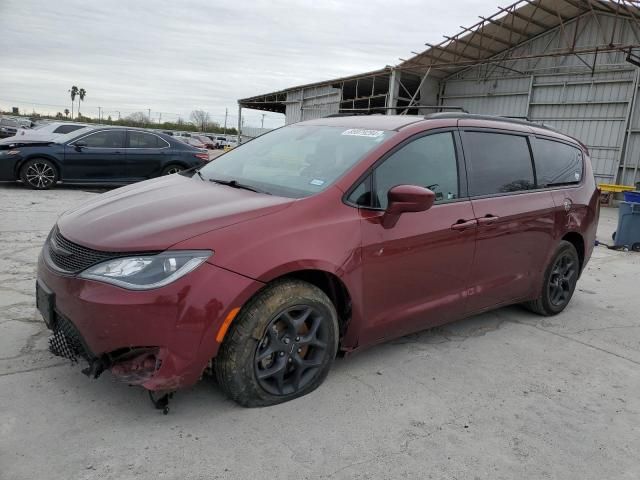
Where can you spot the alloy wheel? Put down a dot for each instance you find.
(173, 170)
(292, 350)
(40, 175)
(562, 279)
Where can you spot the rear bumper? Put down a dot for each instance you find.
(178, 322)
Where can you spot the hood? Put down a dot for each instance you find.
(156, 214)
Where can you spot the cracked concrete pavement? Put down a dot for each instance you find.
(503, 395)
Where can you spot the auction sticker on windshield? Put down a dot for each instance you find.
(360, 132)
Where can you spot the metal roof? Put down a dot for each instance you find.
(488, 41)
(510, 27)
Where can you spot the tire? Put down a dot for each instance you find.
(636, 247)
(265, 359)
(559, 283)
(39, 174)
(171, 169)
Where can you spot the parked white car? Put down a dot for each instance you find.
(44, 132)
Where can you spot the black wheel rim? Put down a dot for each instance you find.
(173, 170)
(40, 175)
(561, 280)
(292, 350)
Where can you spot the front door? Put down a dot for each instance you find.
(415, 273)
(100, 158)
(515, 221)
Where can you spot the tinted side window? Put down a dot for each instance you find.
(143, 140)
(106, 139)
(497, 163)
(556, 163)
(67, 128)
(429, 162)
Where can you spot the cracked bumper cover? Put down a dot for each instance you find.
(178, 321)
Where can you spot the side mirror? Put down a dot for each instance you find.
(406, 198)
(79, 144)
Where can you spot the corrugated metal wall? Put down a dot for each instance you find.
(594, 107)
(310, 103)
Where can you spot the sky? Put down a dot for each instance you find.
(177, 56)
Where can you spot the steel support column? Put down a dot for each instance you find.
(393, 94)
(239, 124)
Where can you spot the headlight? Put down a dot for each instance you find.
(149, 271)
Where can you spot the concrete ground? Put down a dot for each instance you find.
(505, 395)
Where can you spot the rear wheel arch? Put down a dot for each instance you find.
(172, 164)
(577, 240)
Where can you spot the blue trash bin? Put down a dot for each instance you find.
(628, 230)
(632, 197)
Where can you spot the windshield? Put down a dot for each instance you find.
(71, 135)
(295, 161)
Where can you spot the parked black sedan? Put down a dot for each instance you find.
(97, 155)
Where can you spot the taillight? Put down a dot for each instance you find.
(202, 156)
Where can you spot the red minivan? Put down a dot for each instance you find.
(322, 237)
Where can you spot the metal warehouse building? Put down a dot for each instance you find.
(572, 64)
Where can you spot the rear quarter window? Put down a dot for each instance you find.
(556, 163)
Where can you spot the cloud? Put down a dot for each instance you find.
(174, 57)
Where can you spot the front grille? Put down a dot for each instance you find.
(71, 257)
(67, 342)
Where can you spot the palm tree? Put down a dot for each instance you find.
(81, 94)
(74, 92)
(66, 112)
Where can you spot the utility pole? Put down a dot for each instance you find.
(226, 112)
(99, 114)
(118, 114)
(159, 118)
(262, 123)
(149, 117)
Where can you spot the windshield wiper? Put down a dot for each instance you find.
(236, 184)
(200, 175)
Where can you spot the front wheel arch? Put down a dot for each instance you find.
(18, 166)
(39, 173)
(236, 362)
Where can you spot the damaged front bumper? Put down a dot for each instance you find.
(161, 339)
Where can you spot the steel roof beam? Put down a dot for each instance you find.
(528, 19)
(454, 53)
(506, 27)
(538, 4)
(482, 34)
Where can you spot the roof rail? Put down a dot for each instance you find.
(495, 118)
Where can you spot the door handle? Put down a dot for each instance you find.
(464, 224)
(487, 219)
